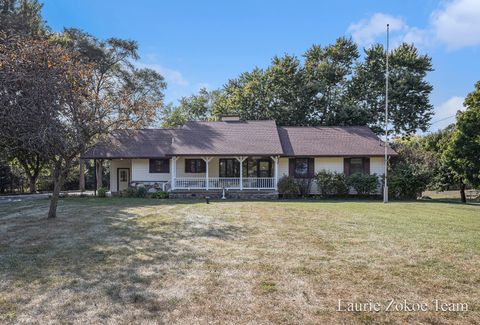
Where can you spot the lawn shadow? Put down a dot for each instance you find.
(101, 252)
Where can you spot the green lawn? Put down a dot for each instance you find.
(150, 261)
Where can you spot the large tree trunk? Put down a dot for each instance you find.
(99, 173)
(58, 177)
(462, 192)
(32, 180)
(82, 176)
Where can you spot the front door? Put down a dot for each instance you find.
(123, 178)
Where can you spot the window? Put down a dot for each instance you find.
(356, 166)
(229, 168)
(123, 176)
(301, 168)
(195, 166)
(159, 165)
(258, 168)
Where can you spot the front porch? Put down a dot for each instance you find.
(224, 173)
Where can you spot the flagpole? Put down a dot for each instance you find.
(385, 186)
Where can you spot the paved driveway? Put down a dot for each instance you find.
(38, 196)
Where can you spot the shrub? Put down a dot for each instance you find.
(129, 192)
(141, 191)
(159, 195)
(288, 187)
(362, 183)
(340, 185)
(407, 181)
(304, 185)
(331, 183)
(324, 180)
(102, 192)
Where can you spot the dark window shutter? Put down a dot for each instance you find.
(152, 166)
(291, 167)
(346, 166)
(366, 165)
(311, 167)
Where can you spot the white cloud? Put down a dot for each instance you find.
(366, 31)
(445, 112)
(171, 76)
(457, 23)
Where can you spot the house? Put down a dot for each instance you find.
(246, 158)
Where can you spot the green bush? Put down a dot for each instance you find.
(362, 183)
(287, 187)
(102, 192)
(159, 195)
(141, 192)
(304, 185)
(340, 184)
(331, 183)
(129, 192)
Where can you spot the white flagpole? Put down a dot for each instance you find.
(385, 187)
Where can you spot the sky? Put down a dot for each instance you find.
(196, 44)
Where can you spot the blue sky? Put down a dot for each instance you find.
(204, 43)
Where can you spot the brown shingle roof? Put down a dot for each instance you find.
(147, 143)
(194, 138)
(331, 141)
(229, 138)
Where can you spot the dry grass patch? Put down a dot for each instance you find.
(185, 262)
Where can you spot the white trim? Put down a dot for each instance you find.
(241, 159)
(275, 160)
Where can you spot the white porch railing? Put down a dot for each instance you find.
(188, 183)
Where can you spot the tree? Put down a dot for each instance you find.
(463, 152)
(60, 102)
(328, 73)
(195, 107)
(22, 17)
(135, 95)
(331, 86)
(275, 93)
(409, 106)
(413, 170)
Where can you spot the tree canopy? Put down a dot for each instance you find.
(331, 85)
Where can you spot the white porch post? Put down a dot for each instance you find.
(241, 160)
(275, 160)
(207, 160)
(174, 171)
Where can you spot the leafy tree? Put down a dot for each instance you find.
(463, 152)
(22, 17)
(328, 73)
(195, 107)
(134, 96)
(409, 106)
(275, 93)
(331, 86)
(48, 97)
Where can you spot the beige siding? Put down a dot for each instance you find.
(282, 167)
(333, 164)
(141, 172)
(376, 165)
(114, 165)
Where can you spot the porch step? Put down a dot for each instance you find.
(231, 194)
